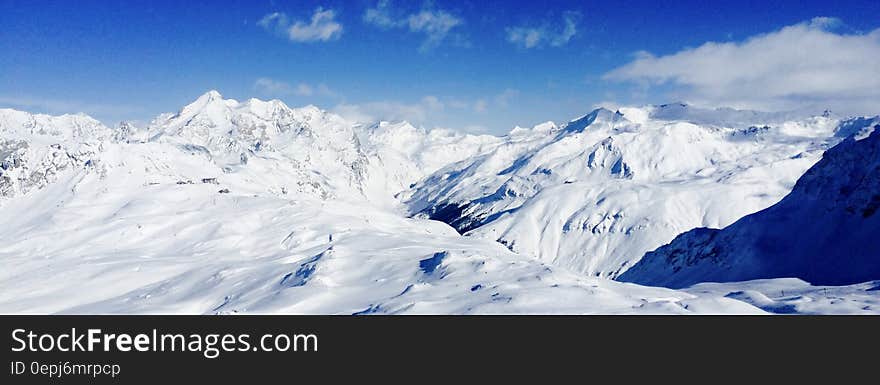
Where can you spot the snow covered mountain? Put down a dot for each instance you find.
(598, 192)
(256, 207)
(266, 146)
(35, 149)
(209, 210)
(401, 154)
(327, 155)
(318, 150)
(824, 231)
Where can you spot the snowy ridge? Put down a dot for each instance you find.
(597, 193)
(265, 145)
(824, 231)
(36, 148)
(318, 149)
(66, 128)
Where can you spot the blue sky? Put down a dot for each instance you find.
(481, 66)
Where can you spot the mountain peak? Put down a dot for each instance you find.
(209, 100)
(212, 95)
(600, 114)
(78, 126)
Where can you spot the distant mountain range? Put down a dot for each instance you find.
(253, 206)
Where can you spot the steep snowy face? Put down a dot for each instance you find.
(597, 193)
(824, 232)
(35, 149)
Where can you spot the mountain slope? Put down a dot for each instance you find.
(255, 207)
(87, 245)
(597, 193)
(177, 222)
(824, 231)
(401, 154)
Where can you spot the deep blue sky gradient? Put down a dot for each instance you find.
(135, 59)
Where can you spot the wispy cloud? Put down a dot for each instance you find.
(806, 64)
(272, 87)
(275, 21)
(481, 105)
(322, 26)
(380, 16)
(504, 98)
(418, 112)
(540, 36)
(435, 24)
(428, 110)
(268, 86)
(109, 113)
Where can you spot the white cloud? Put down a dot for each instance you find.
(107, 113)
(503, 99)
(535, 37)
(432, 103)
(322, 90)
(481, 105)
(274, 21)
(825, 22)
(304, 89)
(435, 24)
(268, 86)
(321, 27)
(806, 64)
(272, 87)
(429, 110)
(458, 103)
(417, 113)
(380, 16)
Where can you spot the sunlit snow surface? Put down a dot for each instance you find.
(231, 208)
(794, 296)
(187, 249)
(597, 193)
